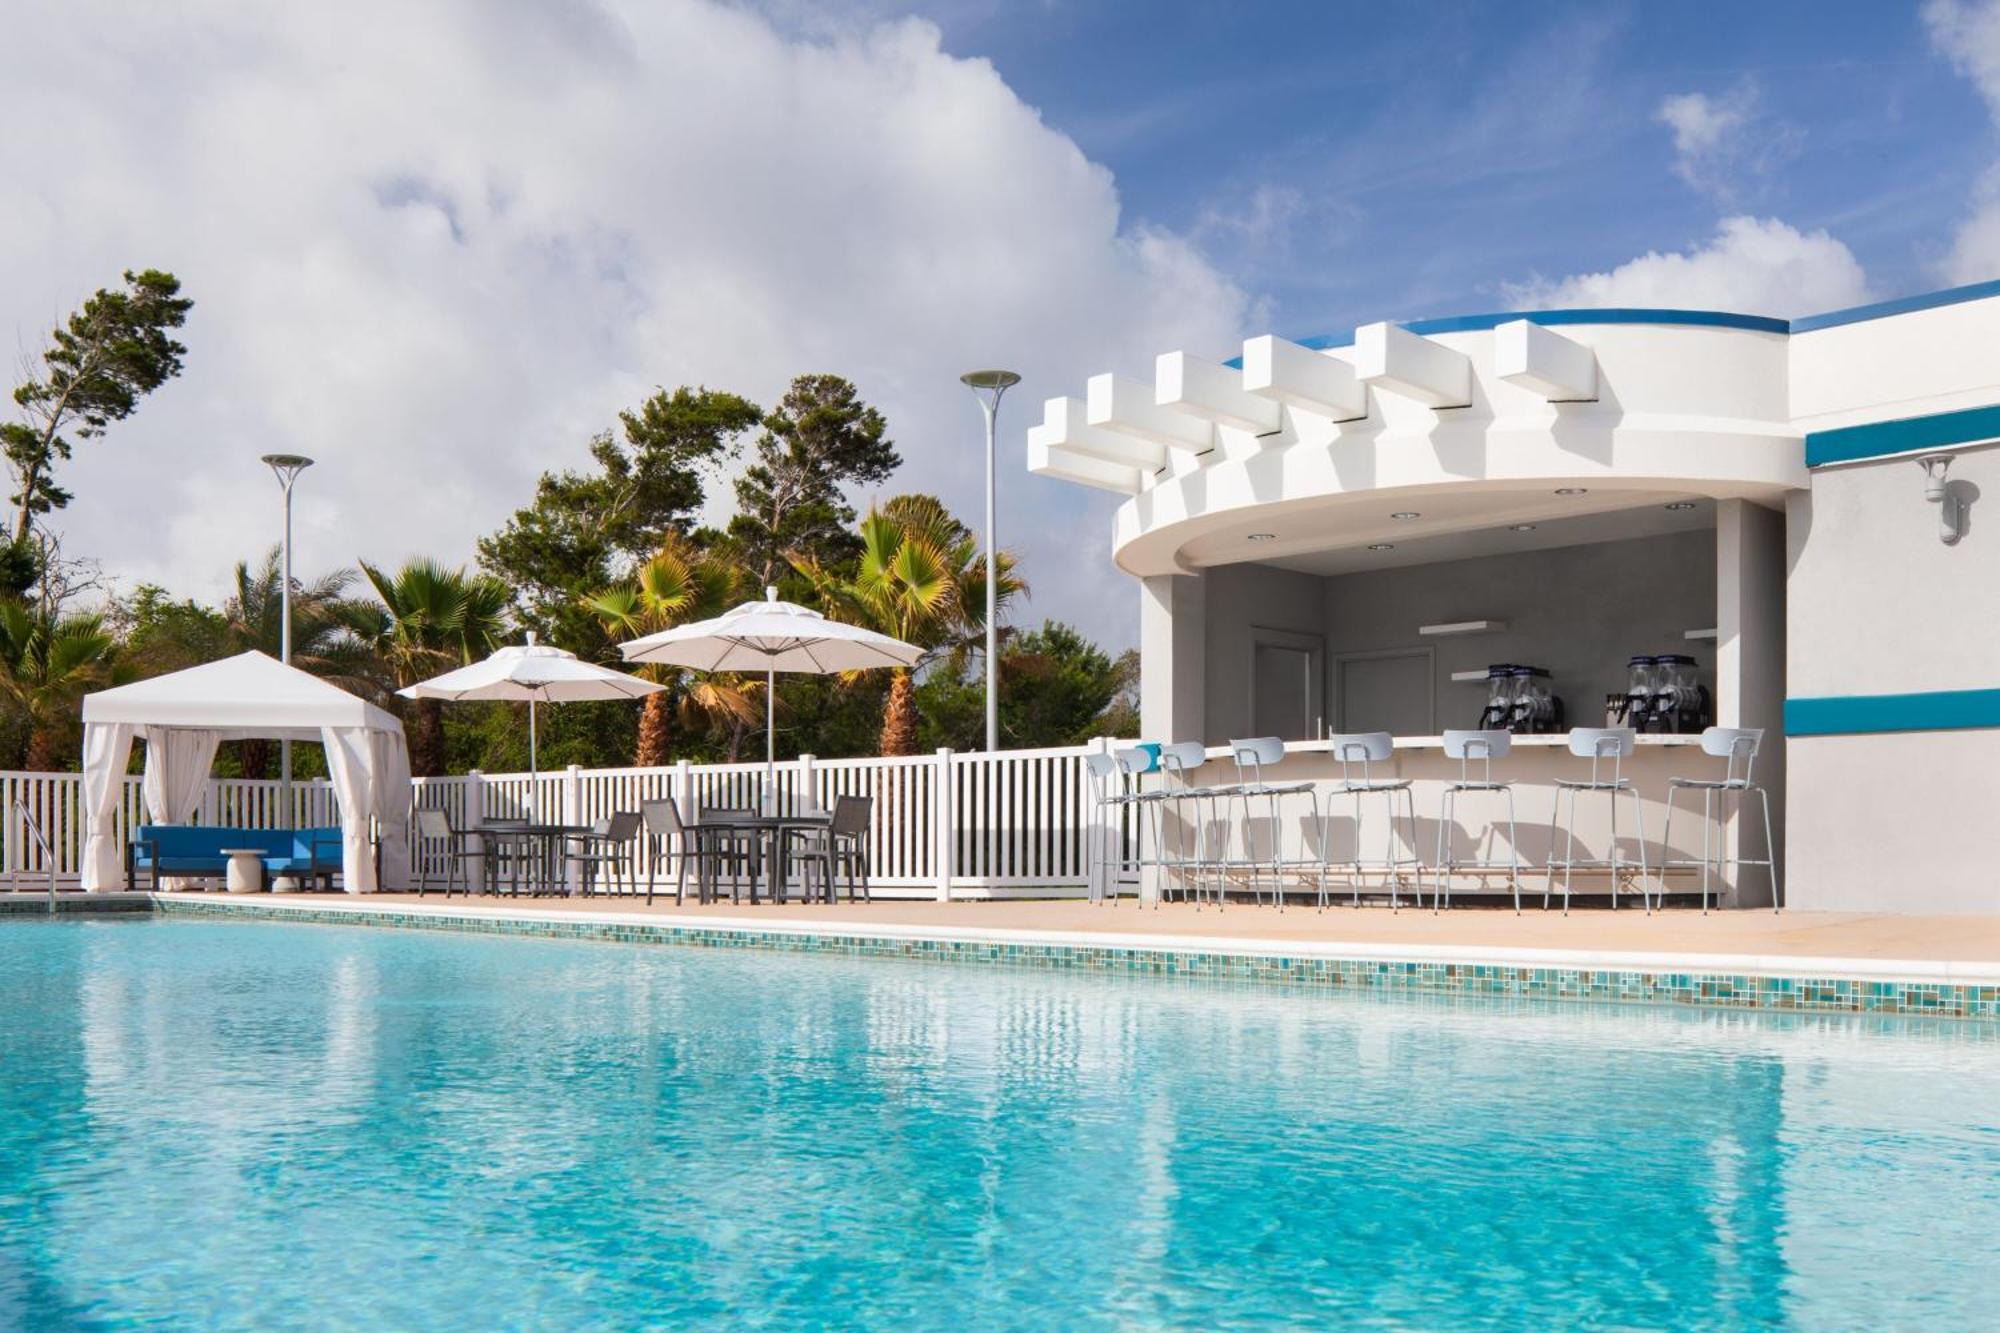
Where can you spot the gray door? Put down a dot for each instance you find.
(1389, 692)
(1284, 691)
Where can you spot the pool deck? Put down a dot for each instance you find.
(1959, 950)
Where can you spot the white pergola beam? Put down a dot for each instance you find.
(1311, 381)
(1409, 365)
(1066, 421)
(1214, 392)
(1049, 459)
(1544, 362)
(1116, 403)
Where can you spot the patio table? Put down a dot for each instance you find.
(768, 828)
(541, 847)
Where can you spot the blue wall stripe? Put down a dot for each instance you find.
(1877, 438)
(1940, 710)
(1977, 291)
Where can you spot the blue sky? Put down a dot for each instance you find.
(1417, 159)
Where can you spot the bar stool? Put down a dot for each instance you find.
(1186, 857)
(1108, 795)
(1357, 751)
(1467, 747)
(1735, 746)
(1251, 756)
(1598, 745)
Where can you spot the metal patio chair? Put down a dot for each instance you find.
(609, 848)
(434, 826)
(843, 842)
(1251, 756)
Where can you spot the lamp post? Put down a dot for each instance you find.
(988, 386)
(287, 467)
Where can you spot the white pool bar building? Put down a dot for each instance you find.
(1345, 534)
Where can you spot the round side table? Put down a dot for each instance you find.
(246, 869)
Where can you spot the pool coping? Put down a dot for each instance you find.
(1944, 988)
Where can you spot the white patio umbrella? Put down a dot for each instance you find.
(538, 674)
(771, 636)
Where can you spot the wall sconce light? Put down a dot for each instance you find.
(1937, 490)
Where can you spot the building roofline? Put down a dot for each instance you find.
(1713, 319)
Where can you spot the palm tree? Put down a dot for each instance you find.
(47, 664)
(922, 579)
(679, 584)
(431, 619)
(324, 638)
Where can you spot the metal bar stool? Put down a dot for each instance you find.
(1108, 795)
(1186, 856)
(1357, 751)
(1737, 747)
(1251, 755)
(1468, 747)
(1599, 745)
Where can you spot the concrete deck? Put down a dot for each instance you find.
(1820, 944)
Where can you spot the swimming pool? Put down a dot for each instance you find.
(243, 1125)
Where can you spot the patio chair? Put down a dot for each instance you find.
(741, 849)
(670, 841)
(842, 843)
(434, 826)
(1737, 746)
(608, 848)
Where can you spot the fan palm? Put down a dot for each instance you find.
(431, 619)
(324, 638)
(921, 579)
(47, 664)
(679, 584)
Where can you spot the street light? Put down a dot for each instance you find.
(988, 386)
(288, 467)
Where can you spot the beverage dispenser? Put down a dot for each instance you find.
(1499, 711)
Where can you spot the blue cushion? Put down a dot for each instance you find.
(186, 848)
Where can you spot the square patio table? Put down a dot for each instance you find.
(769, 828)
(548, 857)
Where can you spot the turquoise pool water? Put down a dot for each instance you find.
(257, 1125)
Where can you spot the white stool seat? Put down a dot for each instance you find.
(1379, 784)
(1711, 784)
(1616, 784)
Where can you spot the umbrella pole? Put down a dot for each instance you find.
(771, 737)
(534, 768)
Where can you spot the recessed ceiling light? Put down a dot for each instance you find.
(1572, 490)
(1263, 536)
(1406, 514)
(1382, 546)
(1522, 527)
(1681, 504)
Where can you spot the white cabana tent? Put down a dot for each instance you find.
(184, 716)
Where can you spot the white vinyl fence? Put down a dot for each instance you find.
(1014, 824)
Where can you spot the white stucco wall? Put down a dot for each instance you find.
(1878, 605)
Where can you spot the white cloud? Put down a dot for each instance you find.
(1969, 36)
(1752, 265)
(1723, 144)
(436, 246)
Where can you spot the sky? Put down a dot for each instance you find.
(437, 244)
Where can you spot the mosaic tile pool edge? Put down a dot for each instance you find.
(1718, 990)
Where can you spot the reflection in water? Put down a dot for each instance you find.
(212, 1122)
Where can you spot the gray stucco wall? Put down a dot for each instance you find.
(1579, 611)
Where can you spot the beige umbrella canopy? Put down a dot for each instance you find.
(534, 673)
(771, 636)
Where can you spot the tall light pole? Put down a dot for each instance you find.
(288, 467)
(988, 386)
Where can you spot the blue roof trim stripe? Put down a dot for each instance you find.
(1940, 710)
(1878, 439)
(1713, 319)
(1902, 305)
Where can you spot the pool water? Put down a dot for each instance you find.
(258, 1125)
